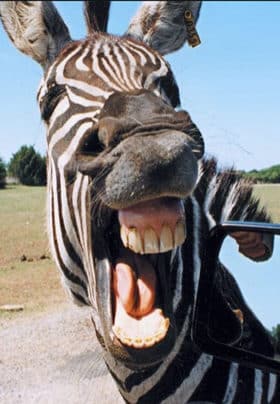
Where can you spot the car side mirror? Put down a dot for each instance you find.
(230, 320)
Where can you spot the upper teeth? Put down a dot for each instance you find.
(149, 242)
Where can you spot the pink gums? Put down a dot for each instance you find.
(154, 213)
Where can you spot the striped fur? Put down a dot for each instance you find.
(197, 377)
(71, 96)
(77, 104)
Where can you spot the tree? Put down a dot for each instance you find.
(3, 173)
(276, 336)
(28, 166)
(269, 175)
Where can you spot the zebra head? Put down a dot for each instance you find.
(121, 162)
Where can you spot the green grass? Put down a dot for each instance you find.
(34, 282)
(269, 195)
(22, 218)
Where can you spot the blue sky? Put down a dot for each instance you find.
(258, 281)
(230, 84)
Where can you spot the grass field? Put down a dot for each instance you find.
(35, 282)
(32, 281)
(269, 195)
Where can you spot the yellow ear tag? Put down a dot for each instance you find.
(239, 314)
(193, 37)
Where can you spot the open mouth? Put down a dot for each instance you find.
(145, 235)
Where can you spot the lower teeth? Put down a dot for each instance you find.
(142, 342)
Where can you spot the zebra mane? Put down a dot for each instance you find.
(225, 195)
(97, 15)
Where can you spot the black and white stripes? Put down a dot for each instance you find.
(187, 375)
(89, 72)
(127, 66)
(79, 78)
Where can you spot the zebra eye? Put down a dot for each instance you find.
(50, 101)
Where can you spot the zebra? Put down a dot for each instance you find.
(119, 150)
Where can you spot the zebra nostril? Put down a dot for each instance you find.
(91, 145)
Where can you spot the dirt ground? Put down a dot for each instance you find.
(53, 358)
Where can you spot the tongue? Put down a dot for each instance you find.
(138, 323)
(136, 289)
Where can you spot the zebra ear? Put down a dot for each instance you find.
(166, 25)
(35, 28)
(97, 14)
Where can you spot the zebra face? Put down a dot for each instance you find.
(121, 162)
(138, 156)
